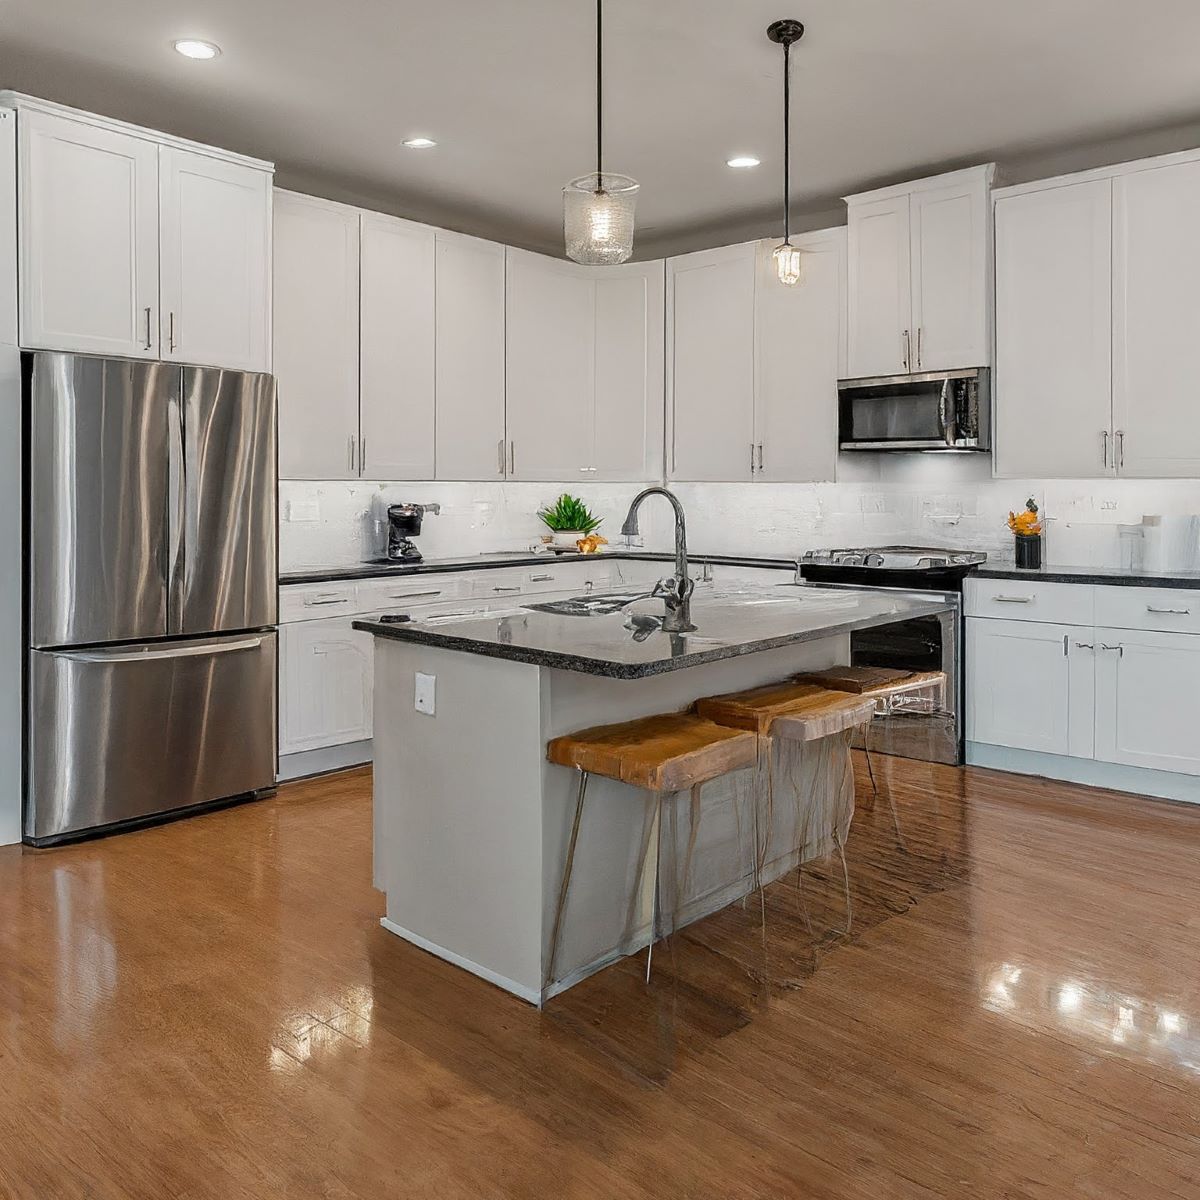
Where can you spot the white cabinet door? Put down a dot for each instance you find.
(550, 368)
(949, 228)
(469, 361)
(627, 435)
(89, 238)
(215, 261)
(1019, 681)
(710, 330)
(316, 337)
(1146, 689)
(1156, 318)
(801, 350)
(396, 349)
(325, 683)
(1054, 332)
(880, 299)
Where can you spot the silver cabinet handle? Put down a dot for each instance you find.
(1013, 599)
(1065, 650)
(350, 454)
(1120, 449)
(542, 578)
(362, 455)
(1171, 612)
(1104, 448)
(512, 457)
(760, 466)
(751, 458)
(1085, 646)
(918, 347)
(500, 457)
(171, 332)
(149, 339)
(321, 601)
(1118, 648)
(506, 589)
(907, 350)
(412, 595)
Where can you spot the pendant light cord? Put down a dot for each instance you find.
(599, 93)
(787, 142)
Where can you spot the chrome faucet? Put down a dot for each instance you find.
(676, 591)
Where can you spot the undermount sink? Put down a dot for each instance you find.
(601, 604)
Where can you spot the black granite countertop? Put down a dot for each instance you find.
(1120, 577)
(521, 558)
(729, 623)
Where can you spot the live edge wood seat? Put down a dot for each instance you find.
(670, 752)
(881, 683)
(798, 711)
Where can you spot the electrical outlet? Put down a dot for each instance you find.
(424, 699)
(303, 510)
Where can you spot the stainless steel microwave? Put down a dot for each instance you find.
(947, 410)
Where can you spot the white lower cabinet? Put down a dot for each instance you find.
(1147, 685)
(326, 680)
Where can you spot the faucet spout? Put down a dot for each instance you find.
(676, 591)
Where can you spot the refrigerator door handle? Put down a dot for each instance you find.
(176, 485)
(158, 654)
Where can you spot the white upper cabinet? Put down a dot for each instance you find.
(469, 360)
(950, 303)
(627, 437)
(880, 301)
(316, 337)
(1156, 319)
(216, 261)
(801, 351)
(584, 370)
(1053, 332)
(89, 238)
(918, 276)
(710, 305)
(397, 349)
(551, 314)
(135, 244)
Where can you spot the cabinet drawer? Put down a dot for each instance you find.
(410, 591)
(1030, 600)
(1174, 610)
(309, 601)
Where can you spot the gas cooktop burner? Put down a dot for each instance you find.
(896, 558)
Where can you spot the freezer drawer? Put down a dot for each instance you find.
(120, 733)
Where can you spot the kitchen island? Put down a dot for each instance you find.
(472, 822)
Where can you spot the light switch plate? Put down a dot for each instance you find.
(303, 510)
(425, 693)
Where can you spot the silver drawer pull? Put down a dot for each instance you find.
(541, 579)
(319, 601)
(1085, 646)
(506, 589)
(412, 595)
(1118, 648)
(1013, 599)
(1174, 612)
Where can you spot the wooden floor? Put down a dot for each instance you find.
(210, 1009)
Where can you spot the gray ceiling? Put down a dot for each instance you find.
(883, 90)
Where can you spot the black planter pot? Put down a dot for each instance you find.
(1029, 551)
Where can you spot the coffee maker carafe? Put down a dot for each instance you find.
(404, 524)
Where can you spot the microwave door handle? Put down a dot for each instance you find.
(943, 432)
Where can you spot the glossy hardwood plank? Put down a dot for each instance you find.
(210, 1009)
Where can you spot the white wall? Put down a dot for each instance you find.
(946, 500)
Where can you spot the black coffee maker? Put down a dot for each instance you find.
(404, 524)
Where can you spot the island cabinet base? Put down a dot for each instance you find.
(472, 823)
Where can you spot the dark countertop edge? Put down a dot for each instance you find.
(1104, 576)
(561, 661)
(487, 563)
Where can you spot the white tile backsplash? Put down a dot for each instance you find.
(941, 500)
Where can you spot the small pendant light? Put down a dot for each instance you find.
(598, 208)
(787, 256)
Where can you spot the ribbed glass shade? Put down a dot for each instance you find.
(787, 264)
(598, 218)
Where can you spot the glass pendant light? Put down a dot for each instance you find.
(598, 208)
(787, 256)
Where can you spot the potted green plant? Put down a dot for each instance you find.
(569, 520)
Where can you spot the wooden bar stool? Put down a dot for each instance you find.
(664, 754)
(797, 713)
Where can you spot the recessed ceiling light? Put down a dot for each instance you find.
(192, 48)
(419, 143)
(742, 160)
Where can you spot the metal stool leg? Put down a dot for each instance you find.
(560, 908)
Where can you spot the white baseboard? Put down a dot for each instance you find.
(530, 995)
(1139, 781)
(324, 760)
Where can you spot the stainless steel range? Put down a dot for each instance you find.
(924, 644)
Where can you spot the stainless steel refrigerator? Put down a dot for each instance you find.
(151, 591)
